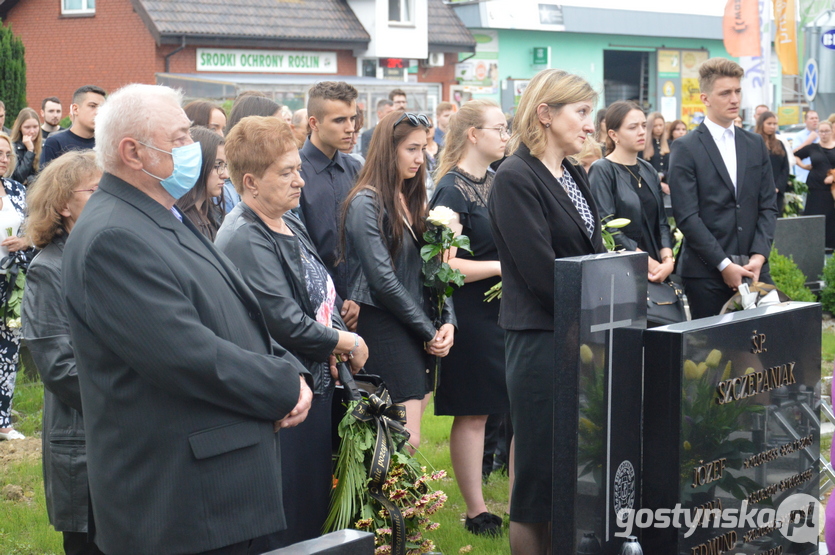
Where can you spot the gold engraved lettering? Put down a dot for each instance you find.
(710, 472)
(758, 339)
(755, 382)
(717, 545)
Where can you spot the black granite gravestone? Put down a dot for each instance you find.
(599, 314)
(341, 542)
(731, 426)
(802, 238)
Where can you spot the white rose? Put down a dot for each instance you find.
(14, 323)
(441, 215)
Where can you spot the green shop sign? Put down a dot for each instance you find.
(540, 55)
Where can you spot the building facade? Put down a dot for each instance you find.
(214, 50)
(647, 56)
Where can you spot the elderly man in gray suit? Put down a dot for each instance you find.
(182, 389)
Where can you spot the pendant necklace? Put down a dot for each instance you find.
(637, 177)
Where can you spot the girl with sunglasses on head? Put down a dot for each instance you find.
(383, 225)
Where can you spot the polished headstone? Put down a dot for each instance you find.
(731, 421)
(341, 542)
(600, 313)
(802, 238)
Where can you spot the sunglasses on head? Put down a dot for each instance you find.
(414, 119)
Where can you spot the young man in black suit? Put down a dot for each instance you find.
(723, 196)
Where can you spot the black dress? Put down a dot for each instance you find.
(472, 378)
(780, 171)
(661, 162)
(819, 200)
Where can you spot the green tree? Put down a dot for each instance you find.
(12, 73)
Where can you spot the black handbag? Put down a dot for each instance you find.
(665, 303)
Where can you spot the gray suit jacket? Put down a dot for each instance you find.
(718, 222)
(180, 381)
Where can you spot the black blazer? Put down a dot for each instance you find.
(180, 381)
(612, 188)
(273, 270)
(534, 222)
(716, 222)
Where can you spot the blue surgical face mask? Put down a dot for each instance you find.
(187, 163)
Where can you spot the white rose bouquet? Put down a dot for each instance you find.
(438, 275)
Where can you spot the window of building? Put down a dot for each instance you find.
(400, 11)
(74, 7)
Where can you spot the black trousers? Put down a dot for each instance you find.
(78, 543)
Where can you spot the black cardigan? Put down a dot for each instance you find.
(535, 222)
(275, 274)
(615, 196)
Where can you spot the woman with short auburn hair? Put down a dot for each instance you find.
(55, 201)
(276, 257)
(541, 209)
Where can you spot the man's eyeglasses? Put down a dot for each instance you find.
(503, 131)
(221, 167)
(414, 119)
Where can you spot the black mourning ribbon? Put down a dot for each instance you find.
(388, 416)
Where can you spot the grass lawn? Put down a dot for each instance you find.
(24, 529)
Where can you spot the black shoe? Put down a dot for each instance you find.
(485, 524)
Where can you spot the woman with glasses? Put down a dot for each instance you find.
(383, 225)
(55, 202)
(540, 208)
(625, 186)
(199, 203)
(15, 252)
(472, 383)
(819, 200)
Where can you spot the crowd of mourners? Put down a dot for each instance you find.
(194, 280)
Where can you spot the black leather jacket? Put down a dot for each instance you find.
(24, 169)
(374, 279)
(615, 196)
(273, 270)
(47, 335)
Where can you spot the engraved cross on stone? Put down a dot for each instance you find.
(610, 326)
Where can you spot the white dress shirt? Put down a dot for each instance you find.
(726, 142)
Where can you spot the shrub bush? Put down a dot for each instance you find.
(788, 278)
(828, 291)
